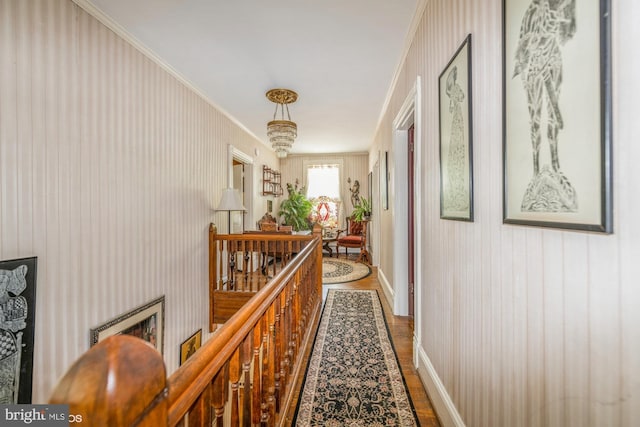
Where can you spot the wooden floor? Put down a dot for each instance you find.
(401, 332)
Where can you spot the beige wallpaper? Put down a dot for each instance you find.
(109, 170)
(521, 326)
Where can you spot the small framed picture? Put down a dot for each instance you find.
(456, 154)
(384, 181)
(145, 322)
(190, 345)
(269, 206)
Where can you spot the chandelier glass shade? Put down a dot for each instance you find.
(282, 132)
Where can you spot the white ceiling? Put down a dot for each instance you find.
(340, 56)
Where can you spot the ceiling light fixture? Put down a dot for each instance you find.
(282, 132)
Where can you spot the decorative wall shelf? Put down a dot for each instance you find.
(271, 182)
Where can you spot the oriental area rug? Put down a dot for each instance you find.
(353, 377)
(342, 270)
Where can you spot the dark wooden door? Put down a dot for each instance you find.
(410, 219)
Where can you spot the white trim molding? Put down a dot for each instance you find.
(410, 114)
(442, 403)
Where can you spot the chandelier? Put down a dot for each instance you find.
(282, 132)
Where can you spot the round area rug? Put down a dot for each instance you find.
(336, 270)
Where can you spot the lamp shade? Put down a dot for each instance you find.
(230, 201)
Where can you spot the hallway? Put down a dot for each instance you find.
(401, 332)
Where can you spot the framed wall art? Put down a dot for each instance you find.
(384, 181)
(17, 324)
(190, 345)
(456, 154)
(145, 322)
(557, 114)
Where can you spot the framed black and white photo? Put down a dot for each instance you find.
(557, 114)
(456, 158)
(17, 324)
(145, 322)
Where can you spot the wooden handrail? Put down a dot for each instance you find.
(242, 264)
(243, 374)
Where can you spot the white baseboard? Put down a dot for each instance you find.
(386, 287)
(440, 399)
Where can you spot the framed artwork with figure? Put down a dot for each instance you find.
(557, 114)
(456, 154)
(17, 327)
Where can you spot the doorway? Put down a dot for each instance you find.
(411, 218)
(240, 176)
(408, 117)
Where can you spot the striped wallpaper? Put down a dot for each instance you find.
(521, 326)
(109, 170)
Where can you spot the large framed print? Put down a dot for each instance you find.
(456, 158)
(557, 114)
(145, 322)
(17, 326)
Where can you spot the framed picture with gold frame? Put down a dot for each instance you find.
(190, 345)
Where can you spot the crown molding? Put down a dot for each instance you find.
(120, 31)
(411, 34)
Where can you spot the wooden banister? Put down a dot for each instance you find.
(243, 375)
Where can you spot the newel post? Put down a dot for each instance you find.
(213, 268)
(121, 381)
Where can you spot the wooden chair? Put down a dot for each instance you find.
(355, 236)
(267, 223)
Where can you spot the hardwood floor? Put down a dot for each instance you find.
(401, 333)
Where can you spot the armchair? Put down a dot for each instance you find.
(355, 236)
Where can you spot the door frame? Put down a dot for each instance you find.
(409, 114)
(247, 194)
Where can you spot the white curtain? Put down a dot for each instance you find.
(323, 179)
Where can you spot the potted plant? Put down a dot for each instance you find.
(362, 210)
(296, 208)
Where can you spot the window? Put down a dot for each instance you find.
(323, 189)
(323, 180)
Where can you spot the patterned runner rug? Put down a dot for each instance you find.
(354, 378)
(342, 270)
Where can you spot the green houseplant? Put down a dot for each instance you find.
(296, 208)
(362, 210)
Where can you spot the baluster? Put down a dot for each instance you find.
(234, 377)
(282, 331)
(277, 352)
(257, 373)
(218, 398)
(232, 264)
(264, 403)
(200, 413)
(271, 403)
(293, 322)
(221, 265)
(245, 397)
